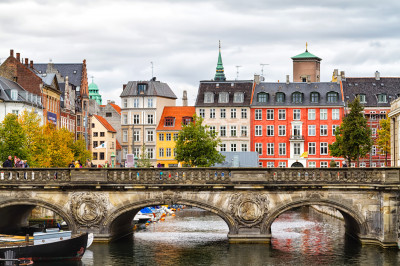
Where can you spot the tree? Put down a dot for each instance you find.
(79, 150)
(12, 138)
(31, 124)
(144, 160)
(353, 138)
(197, 145)
(61, 153)
(383, 140)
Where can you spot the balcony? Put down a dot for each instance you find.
(296, 137)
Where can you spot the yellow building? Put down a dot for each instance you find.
(104, 141)
(167, 132)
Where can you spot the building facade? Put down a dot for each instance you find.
(104, 141)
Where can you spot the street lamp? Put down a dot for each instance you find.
(112, 160)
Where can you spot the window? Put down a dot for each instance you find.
(125, 103)
(150, 153)
(270, 148)
(281, 130)
(258, 131)
(161, 152)
(297, 97)
(95, 134)
(324, 148)
(262, 97)
(124, 136)
(168, 152)
(125, 119)
(373, 151)
(176, 135)
(363, 164)
(233, 113)
(233, 146)
(161, 137)
(174, 152)
(296, 130)
(270, 130)
(15, 112)
(136, 103)
(223, 97)
(373, 165)
(332, 97)
(150, 135)
(280, 97)
(136, 119)
(382, 98)
(244, 113)
(312, 130)
(102, 134)
(259, 148)
(282, 114)
(270, 164)
(282, 148)
(168, 137)
(270, 114)
(296, 114)
(150, 102)
(312, 164)
(243, 131)
(202, 113)
(136, 151)
(363, 98)
(335, 114)
(222, 147)
(186, 120)
(296, 149)
(108, 114)
(223, 113)
(323, 130)
(323, 114)
(311, 114)
(312, 148)
(233, 131)
(169, 121)
(258, 114)
(244, 146)
(136, 136)
(208, 97)
(314, 97)
(212, 113)
(212, 129)
(222, 131)
(238, 97)
(150, 119)
(374, 130)
(101, 155)
(141, 88)
(334, 128)
(95, 144)
(282, 164)
(324, 164)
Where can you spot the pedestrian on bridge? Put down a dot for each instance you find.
(8, 162)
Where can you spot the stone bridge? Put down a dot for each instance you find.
(104, 201)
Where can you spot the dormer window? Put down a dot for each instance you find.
(363, 98)
(238, 97)
(208, 97)
(262, 97)
(169, 121)
(223, 97)
(382, 98)
(186, 120)
(280, 97)
(314, 97)
(141, 88)
(297, 97)
(14, 95)
(332, 97)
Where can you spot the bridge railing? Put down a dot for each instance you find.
(200, 176)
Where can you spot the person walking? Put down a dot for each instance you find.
(18, 163)
(71, 165)
(8, 162)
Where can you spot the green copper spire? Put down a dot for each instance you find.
(219, 74)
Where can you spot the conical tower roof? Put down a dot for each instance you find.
(219, 74)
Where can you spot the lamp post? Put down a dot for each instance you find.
(112, 160)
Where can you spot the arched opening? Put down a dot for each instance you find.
(297, 164)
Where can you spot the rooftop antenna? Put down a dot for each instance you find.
(262, 69)
(152, 69)
(92, 78)
(237, 72)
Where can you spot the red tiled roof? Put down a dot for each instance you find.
(118, 146)
(116, 107)
(102, 106)
(104, 122)
(177, 112)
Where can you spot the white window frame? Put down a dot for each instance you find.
(311, 114)
(323, 114)
(281, 114)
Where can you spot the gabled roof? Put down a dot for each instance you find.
(177, 112)
(104, 122)
(116, 107)
(73, 71)
(154, 88)
(7, 85)
(118, 146)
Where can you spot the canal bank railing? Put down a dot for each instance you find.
(198, 176)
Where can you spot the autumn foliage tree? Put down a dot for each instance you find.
(383, 140)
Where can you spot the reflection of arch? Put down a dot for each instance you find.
(39, 203)
(297, 164)
(122, 217)
(355, 223)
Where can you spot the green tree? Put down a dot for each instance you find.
(79, 150)
(12, 138)
(353, 138)
(144, 160)
(197, 145)
(383, 140)
(31, 124)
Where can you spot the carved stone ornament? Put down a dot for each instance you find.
(169, 197)
(88, 209)
(248, 209)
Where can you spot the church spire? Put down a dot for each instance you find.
(219, 74)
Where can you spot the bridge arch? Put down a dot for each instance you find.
(354, 221)
(32, 203)
(118, 222)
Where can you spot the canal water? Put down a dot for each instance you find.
(196, 237)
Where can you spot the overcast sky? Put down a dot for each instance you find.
(120, 38)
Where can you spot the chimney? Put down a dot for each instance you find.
(31, 65)
(12, 53)
(18, 57)
(308, 79)
(339, 79)
(377, 75)
(26, 61)
(257, 79)
(184, 99)
(342, 75)
(108, 101)
(287, 79)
